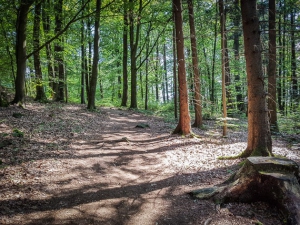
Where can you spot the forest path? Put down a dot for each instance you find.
(79, 167)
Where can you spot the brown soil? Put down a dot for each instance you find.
(78, 167)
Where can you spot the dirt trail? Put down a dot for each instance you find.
(79, 167)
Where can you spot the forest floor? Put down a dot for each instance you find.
(62, 164)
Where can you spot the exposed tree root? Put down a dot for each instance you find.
(270, 179)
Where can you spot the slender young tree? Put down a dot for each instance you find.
(196, 72)
(175, 72)
(93, 81)
(40, 93)
(272, 67)
(184, 123)
(259, 136)
(224, 64)
(21, 50)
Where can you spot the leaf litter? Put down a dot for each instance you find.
(73, 166)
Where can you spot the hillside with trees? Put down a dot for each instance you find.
(93, 95)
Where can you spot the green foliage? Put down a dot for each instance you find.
(17, 133)
(289, 124)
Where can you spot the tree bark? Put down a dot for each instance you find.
(224, 59)
(134, 34)
(59, 84)
(184, 126)
(270, 179)
(175, 74)
(40, 93)
(21, 51)
(93, 80)
(272, 67)
(259, 136)
(47, 28)
(196, 72)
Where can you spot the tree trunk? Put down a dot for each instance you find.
(134, 41)
(46, 26)
(156, 74)
(294, 91)
(236, 48)
(93, 81)
(196, 73)
(270, 179)
(166, 73)
(184, 126)
(272, 67)
(83, 60)
(59, 93)
(174, 73)
(40, 93)
(224, 58)
(259, 136)
(21, 51)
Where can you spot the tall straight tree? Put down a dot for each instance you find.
(196, 73)
(259, 136)
(224, 65)
(125, 54)
(40, 93)
(272, 67)
(21, 50)
(184, 123)
(47, 27)
(59, 90)
(93, 80)
(134, 37)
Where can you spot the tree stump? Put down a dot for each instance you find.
(270, 179)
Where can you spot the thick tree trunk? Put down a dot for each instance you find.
(21, 51)
(93, 81)
(270, 179)
(259, 136)
(40, 93)
(184, 126)
(196, 72)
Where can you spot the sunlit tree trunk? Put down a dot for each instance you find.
(21, 51)
(195, 66)
(184, 126)
(259, 136)
(93, 81)
(272, 67)
(40, 93)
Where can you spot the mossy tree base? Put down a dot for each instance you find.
(270, 179)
